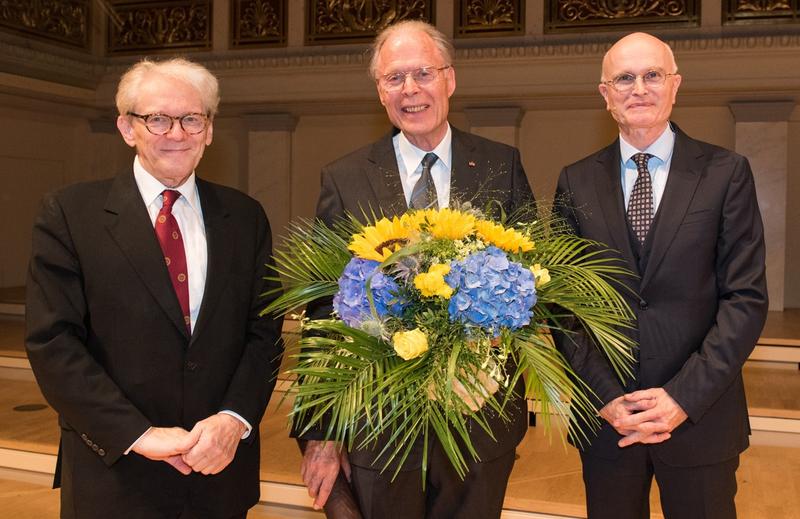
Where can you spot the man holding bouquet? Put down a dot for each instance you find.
(684, 217)
(422, 163)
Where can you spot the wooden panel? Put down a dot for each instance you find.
(572, 15)
(489, 17)
(173, 25)
(258, 23)
(349, 21)
(59, 21)
(760, 11)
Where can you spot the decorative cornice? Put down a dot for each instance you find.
(761, 111)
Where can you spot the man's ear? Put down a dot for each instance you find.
(126, 130)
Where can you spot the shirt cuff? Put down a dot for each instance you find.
(245, 422)
(137, 441)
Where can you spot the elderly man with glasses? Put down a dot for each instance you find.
(684, 219)
(423, 162)
(142, 318)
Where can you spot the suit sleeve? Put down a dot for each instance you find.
(73, 382)
(586, 360)
(254, 380)
(742, 305)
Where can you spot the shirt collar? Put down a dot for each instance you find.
(661, 147)
(150, 188)
(412, 156)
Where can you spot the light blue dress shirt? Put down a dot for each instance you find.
(658, 165)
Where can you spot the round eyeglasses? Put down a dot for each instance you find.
(160, 124)
(625, 82)
(421, 76)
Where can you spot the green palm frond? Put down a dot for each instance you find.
(353, 386)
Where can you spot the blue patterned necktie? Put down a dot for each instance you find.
(640, 205)
(424, 194)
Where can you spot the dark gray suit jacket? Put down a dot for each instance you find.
(700, 303)
(108, 345)
(368, 179)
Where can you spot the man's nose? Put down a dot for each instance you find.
(638, 85)
(176, 132)
(409, 85)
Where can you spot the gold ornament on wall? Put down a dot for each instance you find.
(62, 21)
(761, 11)
(490, 17)
(577, 14)
(155, 26)
(258, 23)
(348, 21)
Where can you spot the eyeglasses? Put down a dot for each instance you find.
(625, 82)
(421, 76)
(161, 124)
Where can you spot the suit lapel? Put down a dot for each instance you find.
(684, 176)
(220, 245)
(384, 178)
(130, 227)
(464, 180)
(608, 186)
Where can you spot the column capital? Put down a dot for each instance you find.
(508, 116)
(274, 122)
(761, 111)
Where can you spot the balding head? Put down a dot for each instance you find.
(638, 42)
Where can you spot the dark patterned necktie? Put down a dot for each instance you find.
(640, 205)
(424, 194)
(169, 236)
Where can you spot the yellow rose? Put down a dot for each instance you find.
(410, 345)
(542, 275)
(432, 283)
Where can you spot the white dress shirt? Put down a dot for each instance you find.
(409, 165)
(189, 215)
(658, 165)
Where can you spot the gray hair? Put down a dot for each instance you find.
(441, 41)
(194, 74)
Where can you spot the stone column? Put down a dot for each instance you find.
(497, 123)
(269, 165)
(762, 132)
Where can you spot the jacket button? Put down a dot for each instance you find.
(83, 437)
(95, 447)
(643, 305)
(101, 452)
(191, 366)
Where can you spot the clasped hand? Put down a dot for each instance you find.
(208, 448)
(646, 416)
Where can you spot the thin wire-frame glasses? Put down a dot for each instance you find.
(625, 82)
(422, 76)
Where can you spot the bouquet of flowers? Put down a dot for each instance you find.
(436, 316)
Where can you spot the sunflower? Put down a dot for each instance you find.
(507, 239)
(378, 242)
(449, 224)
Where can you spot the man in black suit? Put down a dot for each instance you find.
(682, 215)
(423, 162)
(142, 318)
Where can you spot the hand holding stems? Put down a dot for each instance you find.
(321, 463)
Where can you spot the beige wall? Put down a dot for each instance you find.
(46, 139)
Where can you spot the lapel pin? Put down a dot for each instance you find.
(471, 163)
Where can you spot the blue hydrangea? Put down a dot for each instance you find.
(351, 303)
(491, 291)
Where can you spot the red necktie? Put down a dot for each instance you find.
(169, 236)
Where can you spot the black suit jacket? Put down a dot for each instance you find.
(108, 345)
(700, 303)
(368, 180)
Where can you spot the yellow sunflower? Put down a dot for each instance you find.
(377, 242)
(449, 224)
(509, 240)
